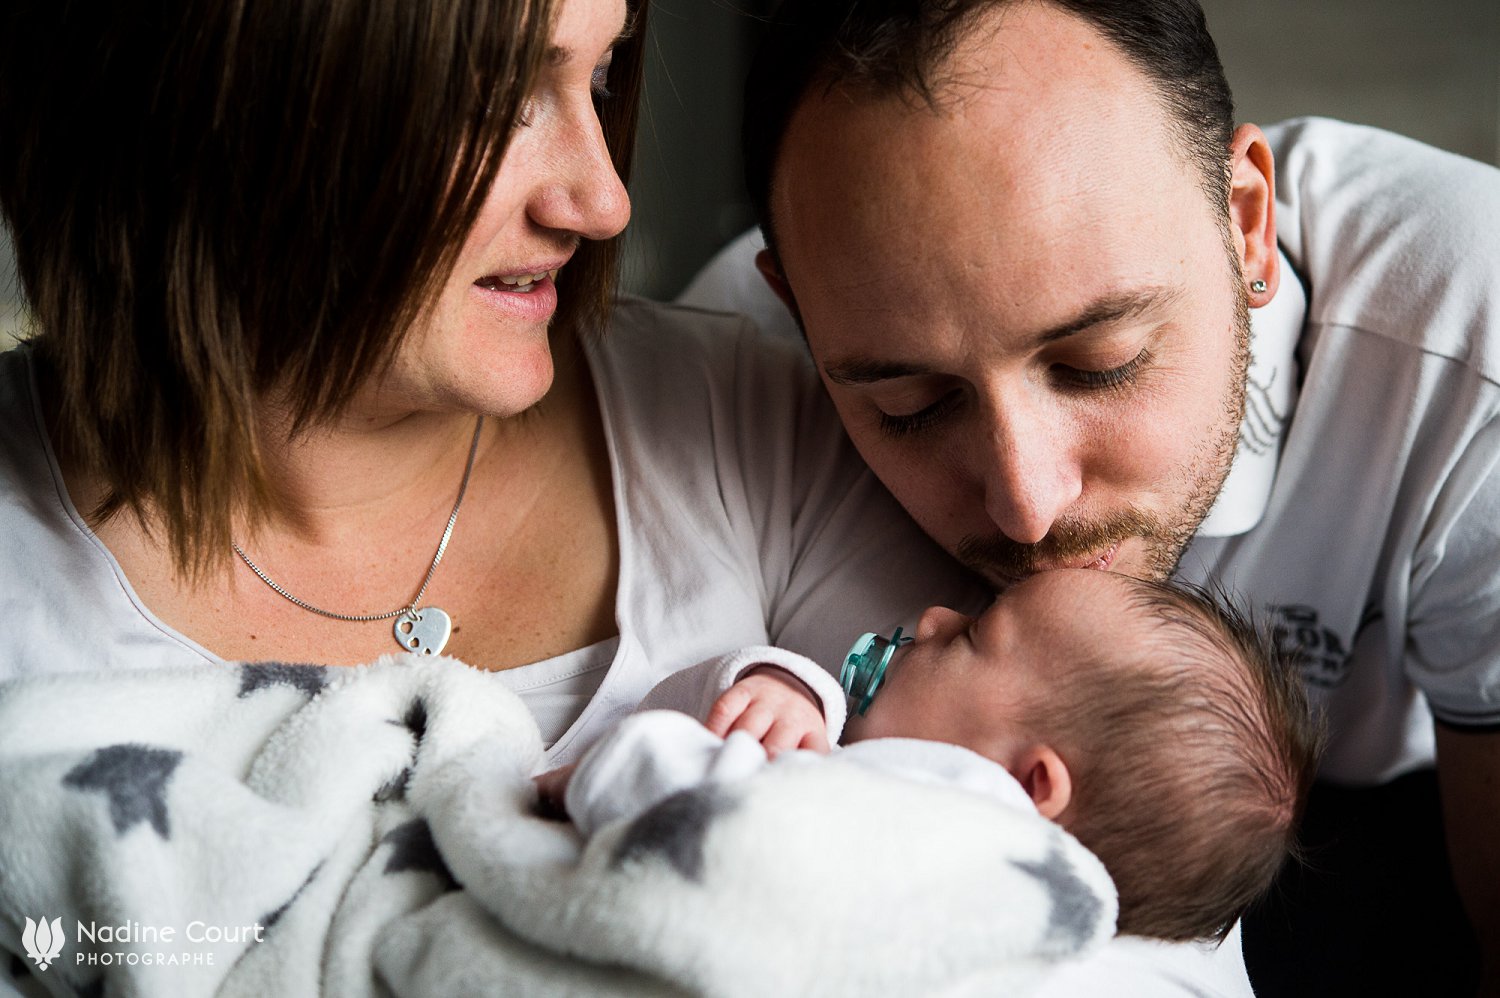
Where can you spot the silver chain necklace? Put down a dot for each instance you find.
(422, 630)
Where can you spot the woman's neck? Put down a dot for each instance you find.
(380, 464)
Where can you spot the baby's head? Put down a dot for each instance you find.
(1153, 722)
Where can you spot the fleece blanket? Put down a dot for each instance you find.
(291, 830)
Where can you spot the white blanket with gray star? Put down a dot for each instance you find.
(291, 830)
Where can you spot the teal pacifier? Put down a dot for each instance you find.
(865, 665)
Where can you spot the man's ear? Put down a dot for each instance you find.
(1046, 779)
(770, 269)
(1252, 212)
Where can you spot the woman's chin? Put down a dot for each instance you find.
(509, 386)
(500, 373)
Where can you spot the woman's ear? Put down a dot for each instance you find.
(1046, 779)
(1252, 213)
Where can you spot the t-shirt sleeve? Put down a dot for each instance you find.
(693, 690)
(1453, 641)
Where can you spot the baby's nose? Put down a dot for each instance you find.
(938, 620)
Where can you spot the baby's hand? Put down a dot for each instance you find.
(774, 707)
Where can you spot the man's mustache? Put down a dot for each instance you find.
(1000, 558)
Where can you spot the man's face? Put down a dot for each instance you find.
(1027, 312)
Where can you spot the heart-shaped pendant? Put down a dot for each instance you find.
(423, 631)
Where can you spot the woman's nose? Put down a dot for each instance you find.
(583, 194)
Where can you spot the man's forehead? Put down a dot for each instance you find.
(1033, 54)
(1014, 118)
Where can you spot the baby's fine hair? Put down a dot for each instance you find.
(1189, 774)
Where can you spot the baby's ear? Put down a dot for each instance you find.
(1046, 779)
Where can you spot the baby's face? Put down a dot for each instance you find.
(968, 680)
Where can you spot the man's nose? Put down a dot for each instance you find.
(1031, 473)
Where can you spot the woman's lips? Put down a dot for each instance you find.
(528, 297)
(518, 283)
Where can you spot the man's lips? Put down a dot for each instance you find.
(1101, 560)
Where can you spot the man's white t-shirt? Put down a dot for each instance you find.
(1362, 514)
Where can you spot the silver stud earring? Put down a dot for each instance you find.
(1258, 286)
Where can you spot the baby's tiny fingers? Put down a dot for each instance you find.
(783, 735)
(755, 721)
(726, 711)
(815, 740)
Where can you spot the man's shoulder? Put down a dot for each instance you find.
(1394, 237)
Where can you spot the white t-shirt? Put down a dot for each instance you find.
(1362, 515)
(745, 517)
(1378, 552)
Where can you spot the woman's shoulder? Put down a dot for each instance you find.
(655, 339)
(683, 378)
(59, 588)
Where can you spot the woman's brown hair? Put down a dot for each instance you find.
(211, 200)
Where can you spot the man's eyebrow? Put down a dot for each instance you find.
(863, 372)
(1110, 308)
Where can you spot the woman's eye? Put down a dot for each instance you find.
(1112, 378)
(599, 82)
(914, 422)
(526, 113)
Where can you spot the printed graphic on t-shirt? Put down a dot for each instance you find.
(1260, 431)
(1325, 653)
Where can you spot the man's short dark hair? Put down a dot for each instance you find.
(899, 48)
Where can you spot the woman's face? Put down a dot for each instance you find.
(483, 347)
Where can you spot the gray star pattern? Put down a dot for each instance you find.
(674, 829)
(134, 777)
(415, 719)
(1075, 908)
(311, 679)
(412, 848)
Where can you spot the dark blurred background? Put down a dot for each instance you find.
(1430, 70)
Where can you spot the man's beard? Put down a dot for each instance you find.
(1003, 561)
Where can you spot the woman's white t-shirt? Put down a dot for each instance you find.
(745, 517)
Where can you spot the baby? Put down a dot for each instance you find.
(1152, 723)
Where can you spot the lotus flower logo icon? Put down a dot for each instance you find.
(43, 942)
